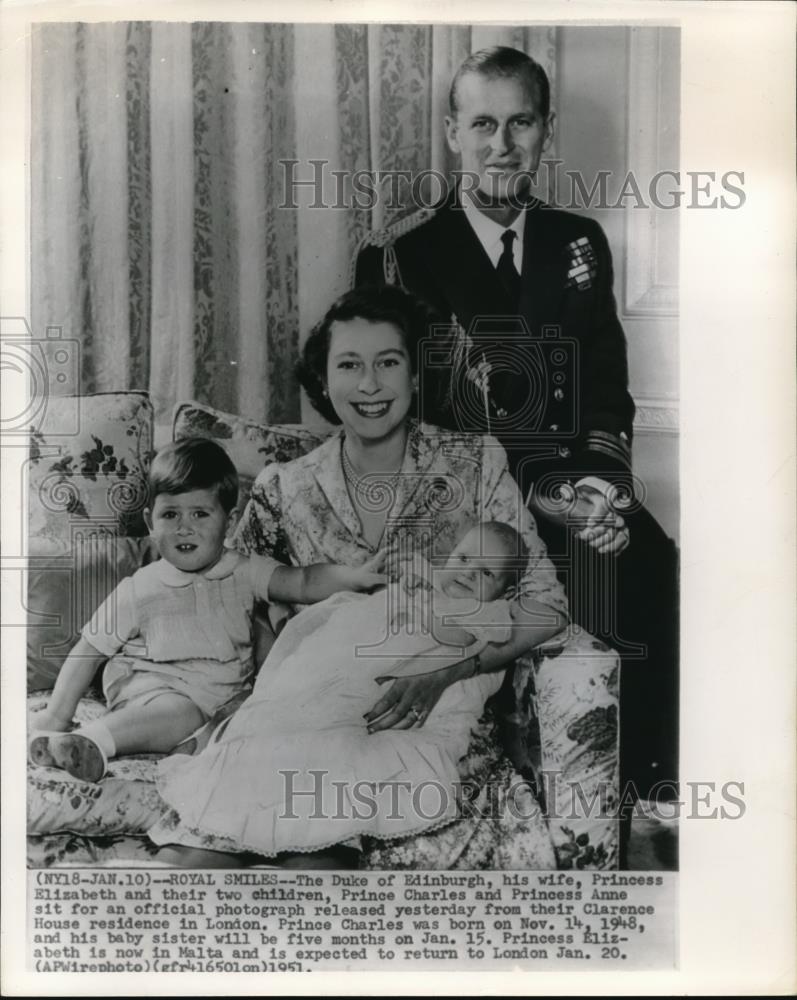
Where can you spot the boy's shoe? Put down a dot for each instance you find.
(72, 752)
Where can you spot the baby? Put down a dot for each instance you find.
(280, 774)
(459, 603)
(176, 635)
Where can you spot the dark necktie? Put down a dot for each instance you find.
(506, 269)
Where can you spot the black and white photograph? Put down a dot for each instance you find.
(371, 594)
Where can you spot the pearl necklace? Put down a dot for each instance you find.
(375, 495)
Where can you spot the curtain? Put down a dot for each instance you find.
(157, 240)
(167, 236)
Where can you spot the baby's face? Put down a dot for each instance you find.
(476, 568)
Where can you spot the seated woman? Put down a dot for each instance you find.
(387, 481)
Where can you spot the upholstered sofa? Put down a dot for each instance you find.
(533, 803)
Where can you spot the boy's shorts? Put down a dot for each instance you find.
(126, 682)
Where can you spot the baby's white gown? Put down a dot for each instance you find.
(295, 768)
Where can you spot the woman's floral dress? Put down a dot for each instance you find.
(300, 512)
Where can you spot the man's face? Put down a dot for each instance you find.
(499, 135)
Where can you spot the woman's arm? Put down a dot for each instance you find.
(72, 683)
(539, 611)
(409, 700)
(532, 624)
(524, 622)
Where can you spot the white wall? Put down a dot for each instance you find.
(617, 103)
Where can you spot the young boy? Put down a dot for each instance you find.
(176, 635)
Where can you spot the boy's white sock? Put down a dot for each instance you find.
(102, 736)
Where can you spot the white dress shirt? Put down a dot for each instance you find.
(489, 233)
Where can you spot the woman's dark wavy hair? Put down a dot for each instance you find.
(376, 304)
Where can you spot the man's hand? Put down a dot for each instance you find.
(596, 523)
(590, 516)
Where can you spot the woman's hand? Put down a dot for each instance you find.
(409, 700)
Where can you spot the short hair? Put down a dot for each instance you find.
(375, 304)
(516, 548)
(517, 552)
(502, 61)
(194, 464)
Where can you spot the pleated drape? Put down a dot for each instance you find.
(163, 239)
(158, 243)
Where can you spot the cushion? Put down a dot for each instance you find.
(88, 463)
(250, 445)
(64, 590)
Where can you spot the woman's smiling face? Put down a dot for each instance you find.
(369, 377)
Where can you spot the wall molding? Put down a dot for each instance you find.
(652, 145)
(658, 415)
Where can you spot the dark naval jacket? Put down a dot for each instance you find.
(547, 374)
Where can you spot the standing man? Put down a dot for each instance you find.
(539, 360)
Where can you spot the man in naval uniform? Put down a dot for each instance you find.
(539, 360)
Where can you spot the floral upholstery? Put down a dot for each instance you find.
(87, 823)
(503, 825)
(88, 466)
(573, 769)
(83, 823)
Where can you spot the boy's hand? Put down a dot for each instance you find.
(412, 580)
(416, 572)
(367, 577)
(401, 618)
